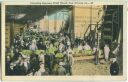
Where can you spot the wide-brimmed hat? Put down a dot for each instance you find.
(61, 63)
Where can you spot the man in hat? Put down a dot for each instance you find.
(106, 52)
(41, 57)
(8, 62)
(51, 55)
(114, 67)
(70, 60)
(41, 71)
(34, 62)
(116, 50)
(61, 69)
(33, 46)
(96, 55)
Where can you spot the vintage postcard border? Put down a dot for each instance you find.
(66, 77)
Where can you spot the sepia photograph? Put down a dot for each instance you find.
(64, 40)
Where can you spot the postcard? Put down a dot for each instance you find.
(63, 40)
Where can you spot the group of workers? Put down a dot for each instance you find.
(55, 57)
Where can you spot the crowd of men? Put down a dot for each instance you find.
(55, 56)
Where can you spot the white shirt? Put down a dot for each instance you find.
(86, 47)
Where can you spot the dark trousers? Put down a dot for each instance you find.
(69, 69)
(96, 58)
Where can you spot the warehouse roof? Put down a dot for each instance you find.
(24, 13)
